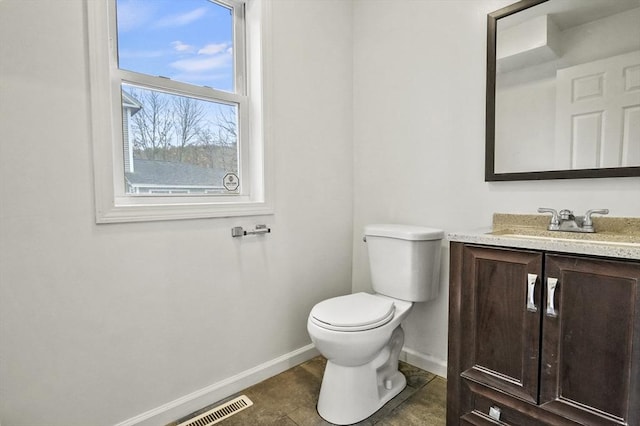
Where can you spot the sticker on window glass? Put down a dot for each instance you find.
(231, 182)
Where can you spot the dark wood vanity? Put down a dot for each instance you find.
(523, 351)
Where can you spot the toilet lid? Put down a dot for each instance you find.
(354, 312)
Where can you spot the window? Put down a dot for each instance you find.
(177, 104)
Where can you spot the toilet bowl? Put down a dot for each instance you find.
(362, 359)
(361, 335)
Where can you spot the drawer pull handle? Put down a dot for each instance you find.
(494, 413)
(531, 288)
(552, 283)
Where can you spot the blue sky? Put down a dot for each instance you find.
(186, 40)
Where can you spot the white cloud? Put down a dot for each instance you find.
(201, 78)
(179, 46)
(213, 48)
(181, 19)
(201, 64)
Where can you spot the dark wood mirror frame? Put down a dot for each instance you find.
(490, 174)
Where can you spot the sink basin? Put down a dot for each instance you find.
(588, 238)
(609, 230)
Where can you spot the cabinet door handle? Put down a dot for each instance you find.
(552, 283)
(531, 288)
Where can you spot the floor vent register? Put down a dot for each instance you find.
(219, 413)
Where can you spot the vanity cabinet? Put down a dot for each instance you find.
(542, 338)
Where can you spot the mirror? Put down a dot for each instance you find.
(563, 90)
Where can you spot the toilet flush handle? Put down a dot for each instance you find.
(364, 238)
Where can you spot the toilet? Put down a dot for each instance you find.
(360, 334)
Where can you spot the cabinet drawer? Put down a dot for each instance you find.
(477, 419)
(482, 406)
(513, 411)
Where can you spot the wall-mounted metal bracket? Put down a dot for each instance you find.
(238, 231)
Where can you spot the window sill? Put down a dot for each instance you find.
(157, 212)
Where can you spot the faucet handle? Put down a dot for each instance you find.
(588, 222)
(555, 220)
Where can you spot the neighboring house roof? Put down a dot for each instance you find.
(168, 173)
(130, 102)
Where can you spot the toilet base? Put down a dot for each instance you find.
(351, 394)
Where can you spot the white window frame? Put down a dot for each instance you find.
(111, 202)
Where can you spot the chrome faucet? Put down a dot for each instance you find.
(566, 221)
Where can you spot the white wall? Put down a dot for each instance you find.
(99, 323)
(419, 93)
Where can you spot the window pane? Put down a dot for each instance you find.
(178, 145)
(187, 40)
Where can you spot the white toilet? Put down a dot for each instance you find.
(360, 334)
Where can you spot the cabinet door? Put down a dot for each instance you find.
(500, 333)
(590, 367)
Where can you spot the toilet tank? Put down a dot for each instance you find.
(404, 261)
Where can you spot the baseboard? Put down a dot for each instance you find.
(426, 362)
(187, 404)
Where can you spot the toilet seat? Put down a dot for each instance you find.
(353, 312)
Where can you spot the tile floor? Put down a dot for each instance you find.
(289, 399)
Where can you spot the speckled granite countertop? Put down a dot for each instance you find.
(614, 237)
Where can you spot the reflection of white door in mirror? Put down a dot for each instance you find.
(563, 90)
(598, 114)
